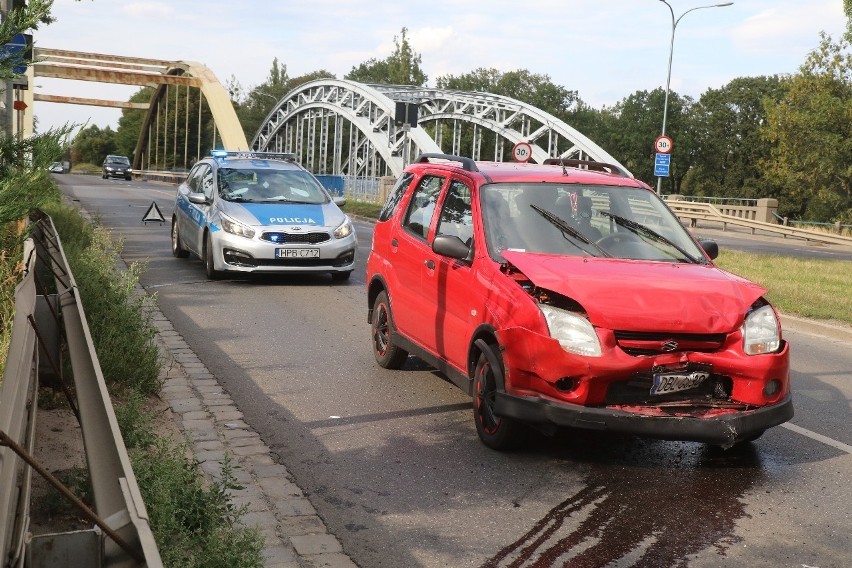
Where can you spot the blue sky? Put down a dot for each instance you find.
(605, 50)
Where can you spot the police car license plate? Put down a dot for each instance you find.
(665, 383)
(297, 253)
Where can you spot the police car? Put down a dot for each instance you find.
(261, 212)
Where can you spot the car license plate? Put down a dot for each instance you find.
(665, 383)
(297, 253)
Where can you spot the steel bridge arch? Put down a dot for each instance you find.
(301, 122)
(162, 76)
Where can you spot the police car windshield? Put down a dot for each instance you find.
(269, 186)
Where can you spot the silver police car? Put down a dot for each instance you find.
(261, 212)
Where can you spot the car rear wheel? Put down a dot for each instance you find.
(209, 267)
(177, 246)
(497, 432)
(388, 354)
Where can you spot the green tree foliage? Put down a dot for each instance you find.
(810, 133)
(91, 145)
(402, 67)
(726, 125)
(18, 20)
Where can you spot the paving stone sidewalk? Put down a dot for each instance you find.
(296, 537)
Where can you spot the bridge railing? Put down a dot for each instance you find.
(694, 211)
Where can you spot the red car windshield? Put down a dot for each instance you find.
(583, 220)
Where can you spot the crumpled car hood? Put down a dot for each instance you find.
(638, 295)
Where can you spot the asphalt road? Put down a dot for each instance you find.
(391, 461)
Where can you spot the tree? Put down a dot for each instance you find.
(91, 145)
(810, 131)
(726, 125)
(130, 123)
(402, 67)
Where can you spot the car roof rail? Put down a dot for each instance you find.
(468, 164)
(588, 164)
(252, 154)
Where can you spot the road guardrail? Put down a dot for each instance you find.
(694, 211)
(121, 536)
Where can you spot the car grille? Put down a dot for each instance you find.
(641, 343)
(637, 391)
(301, 238)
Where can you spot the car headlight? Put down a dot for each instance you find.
(573, 332)
(343, 230)
(761, 332)
(108, 168)
(236, 228)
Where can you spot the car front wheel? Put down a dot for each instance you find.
(210, 268)
(497, 432)
(177, 246)
(388, 354)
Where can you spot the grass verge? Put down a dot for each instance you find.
(362, 208)
(811, 288)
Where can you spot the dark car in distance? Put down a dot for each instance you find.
(116, 167)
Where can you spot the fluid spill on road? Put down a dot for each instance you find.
(645, 504)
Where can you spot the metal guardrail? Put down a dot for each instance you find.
(122, 536)
(708, 212)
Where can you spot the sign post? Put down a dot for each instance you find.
(662, 161)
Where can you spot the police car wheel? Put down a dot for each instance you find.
(209, 267)
(177, 245)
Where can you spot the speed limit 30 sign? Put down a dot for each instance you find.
(522, 152)
(663, 144)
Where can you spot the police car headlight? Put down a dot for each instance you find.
(236, 228)
(343, 230)
(761, 332)
(573, 332)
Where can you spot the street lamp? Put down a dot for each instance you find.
(675, 22)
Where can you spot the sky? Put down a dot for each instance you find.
(604, 50)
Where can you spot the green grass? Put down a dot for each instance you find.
(811, 288)
(362, 208)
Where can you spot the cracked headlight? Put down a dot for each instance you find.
(236, 228)
(573, 332)
(761, 332)
(343, 230)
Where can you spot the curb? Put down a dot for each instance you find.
(295, 535)
(815, 327)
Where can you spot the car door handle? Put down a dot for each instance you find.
(430, 264)
(394, 243)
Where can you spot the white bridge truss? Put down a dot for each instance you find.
(342, 127)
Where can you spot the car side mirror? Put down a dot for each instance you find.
(451, 246)
(340, 201)
(198, 198)
(710, 247)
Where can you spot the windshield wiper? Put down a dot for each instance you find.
(641, 229)
(560, 224)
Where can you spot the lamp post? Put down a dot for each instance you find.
(675, 22)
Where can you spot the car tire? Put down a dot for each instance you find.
(387, 353)
(128, 178)
(177, 245)
(497, 432)
(209, 266)
(341, 276)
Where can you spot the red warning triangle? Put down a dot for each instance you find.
(153, 215)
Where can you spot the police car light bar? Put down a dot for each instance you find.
(250, 154)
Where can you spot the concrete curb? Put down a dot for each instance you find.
(815, 327)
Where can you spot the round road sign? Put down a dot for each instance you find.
(663, 144)
(522, 152)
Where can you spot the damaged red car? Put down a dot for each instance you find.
(567, 294)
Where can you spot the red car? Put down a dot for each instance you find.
(568, 294)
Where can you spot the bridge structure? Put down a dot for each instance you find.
(343, 127)
(334, 126)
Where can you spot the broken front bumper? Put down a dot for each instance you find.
(723, 429)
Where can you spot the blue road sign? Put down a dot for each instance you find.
(15, 49)
(661, 165)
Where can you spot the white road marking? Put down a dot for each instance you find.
(818, 437)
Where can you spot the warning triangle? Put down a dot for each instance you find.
(153, 214)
